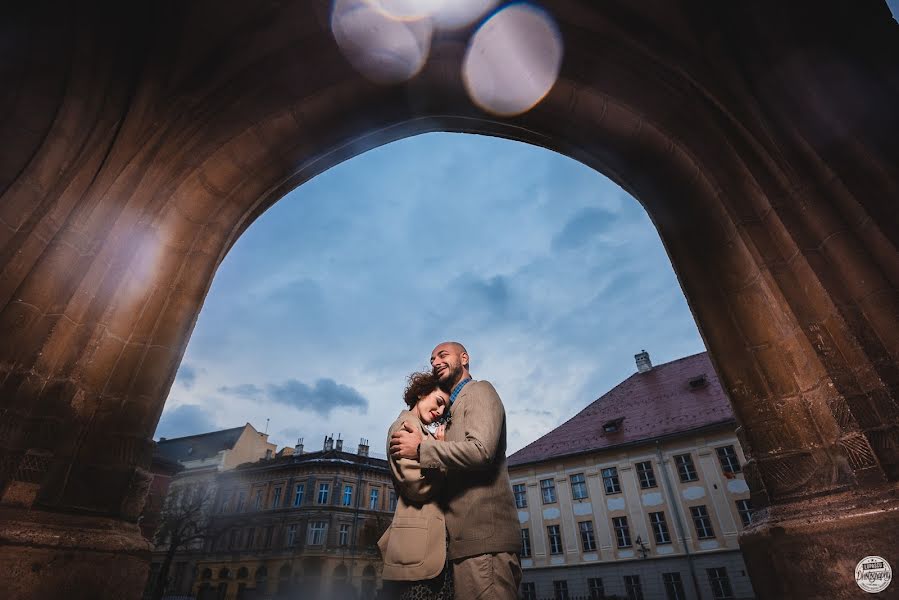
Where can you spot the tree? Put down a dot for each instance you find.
(183, 525)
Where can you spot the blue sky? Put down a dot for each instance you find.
(550, 274)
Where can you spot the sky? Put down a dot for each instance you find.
(550, 274)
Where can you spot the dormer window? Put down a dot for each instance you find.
(612, 426)
(700, 381)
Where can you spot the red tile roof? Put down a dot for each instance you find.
(657, 403)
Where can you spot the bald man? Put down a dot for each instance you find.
(481, 520)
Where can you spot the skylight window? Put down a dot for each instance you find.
(612, 426)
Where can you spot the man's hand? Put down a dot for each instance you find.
(404, 443)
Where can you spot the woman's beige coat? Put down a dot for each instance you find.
(414, 546)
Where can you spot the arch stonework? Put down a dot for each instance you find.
(140, 140)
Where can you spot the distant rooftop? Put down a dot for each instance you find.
(668, 399)
(331, 456)
(200, 446)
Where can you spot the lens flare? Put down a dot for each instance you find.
(444, 14)
(513, 60)
(384, 49)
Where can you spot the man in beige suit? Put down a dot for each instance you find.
(481, 521)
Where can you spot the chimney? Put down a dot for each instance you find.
(329, 443)
(363, 447)
(339, 443)
(298, 449)
(643, 362)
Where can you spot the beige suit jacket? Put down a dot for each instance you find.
(414, 546)
(476, 497)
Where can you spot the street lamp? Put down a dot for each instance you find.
(643, 550)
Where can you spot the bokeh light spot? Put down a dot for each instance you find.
(513, 60)
(383, 48)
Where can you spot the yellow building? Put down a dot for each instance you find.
(298, 525)
(640, 495)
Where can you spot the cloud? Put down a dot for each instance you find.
(187, 419)
(187, 376)
(249, 391)
(585, 226)
(322, 397)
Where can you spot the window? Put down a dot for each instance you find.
(521, 495)
(560, 590)
(317, 533)
(555, 539)
(298, 494)
(610, 480)
(727, 456)
(588, 540)
(323, 490)
(645, 475)
(674, 587)
(659, 528)
(622, 532)
(269, 534)
(525, 543)
(528, 591)
(595, 588)
(685, 469)
(548, 488)
(632, 587)
(241, 501)
(344, 534)
(744, 507)
(257, 503)
(226, 500)
(578, 487)
(702, 521)
(232, 542)
(251, 535)
(291, 535)
(276, 499)
(373, 499)
(720, 583)
(392, 500)
(347, 495)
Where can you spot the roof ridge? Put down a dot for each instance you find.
(196, 435)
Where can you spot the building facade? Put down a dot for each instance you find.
(298, 525)
(200, 459)
(640, 495)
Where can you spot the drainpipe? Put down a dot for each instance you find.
(353, 529)
(678, 523)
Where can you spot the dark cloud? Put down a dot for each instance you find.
(187, 376)
(583, 227)
(244, 390)
(187, 419)
(323, 397)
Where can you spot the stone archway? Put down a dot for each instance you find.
(142, 139)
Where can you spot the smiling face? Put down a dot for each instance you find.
(431, 406)
(449, 363)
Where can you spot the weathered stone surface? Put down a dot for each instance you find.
(140, 139)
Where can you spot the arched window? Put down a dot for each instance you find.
(243, 573)
(225, 573)
(340, 572)
(284, 572)
(207, 574)
(261, 573)
(369, 571)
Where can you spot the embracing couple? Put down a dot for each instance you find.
(455, 532)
